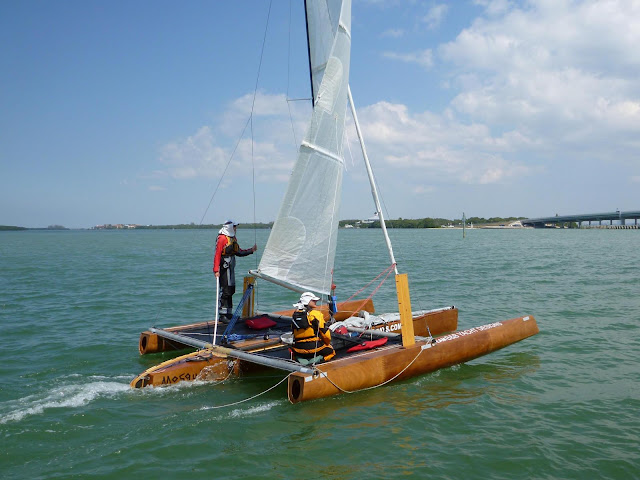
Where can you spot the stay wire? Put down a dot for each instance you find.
(293, 129)
(253, 103)
(364, 302)
(225, 170)
(398, 249)
(386, 270)
(249, 122)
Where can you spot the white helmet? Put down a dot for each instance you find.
(306, 297)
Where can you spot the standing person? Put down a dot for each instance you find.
(224, 263)
(311, 338)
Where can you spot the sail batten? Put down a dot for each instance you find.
(322, 151)
(301, 248)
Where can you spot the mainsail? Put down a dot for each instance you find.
(301, 249)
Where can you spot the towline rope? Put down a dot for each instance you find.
(250, 398)
(375, 386)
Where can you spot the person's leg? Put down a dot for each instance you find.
(226, 295)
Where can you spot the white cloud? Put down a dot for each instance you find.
(197, 155)
(534, 86)
(216, 150)
(423, 189)
(441, 148)
(494, 7)
(436, 14)
(563, 69)
(393, 33)
(424, 58)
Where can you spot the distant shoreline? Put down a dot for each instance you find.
(432, 223)
(10, 228)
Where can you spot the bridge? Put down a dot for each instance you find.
(619, 217)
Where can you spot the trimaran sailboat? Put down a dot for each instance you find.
(299, 255)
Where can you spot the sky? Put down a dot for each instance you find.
(141, 112)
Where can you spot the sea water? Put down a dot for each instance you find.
(562, 404)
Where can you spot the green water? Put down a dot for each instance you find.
(563, 404)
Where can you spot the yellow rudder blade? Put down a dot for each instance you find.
(404, 307)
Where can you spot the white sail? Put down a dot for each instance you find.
(322, 25)
(301, 249)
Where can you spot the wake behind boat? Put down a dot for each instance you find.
(300, 255)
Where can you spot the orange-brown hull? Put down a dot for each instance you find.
(380, 366)
(188, 367)
(205, 366)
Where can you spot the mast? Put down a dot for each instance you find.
(306, 24)
(402, 280)
(374, 190)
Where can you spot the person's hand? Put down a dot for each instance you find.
(217, 274)
(254, 248)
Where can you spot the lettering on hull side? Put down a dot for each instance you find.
(392, 328)
(168, 380)
(470, 331)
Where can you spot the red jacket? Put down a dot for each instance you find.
(227, 247)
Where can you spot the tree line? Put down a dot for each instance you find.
(430, 222)
(195, 226)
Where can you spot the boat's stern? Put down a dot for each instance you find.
(201, 365)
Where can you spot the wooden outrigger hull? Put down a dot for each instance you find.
(395, 362)
(207, 365)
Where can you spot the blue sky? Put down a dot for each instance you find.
(128, 112)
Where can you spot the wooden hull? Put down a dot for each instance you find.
(395, 362)
(151, 343)
(203, 365)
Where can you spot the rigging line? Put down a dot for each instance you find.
(289, 50)
(377, 277)
(380, 384)
(306, 24)
(250, 398)
(264, 41)
(253, 103)
(398, 248)
(225, 170)
(389, 270)
(253, 184)
(334, 214)
(348, 142)
(293, 130)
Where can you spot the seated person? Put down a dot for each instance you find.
(311, 338)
